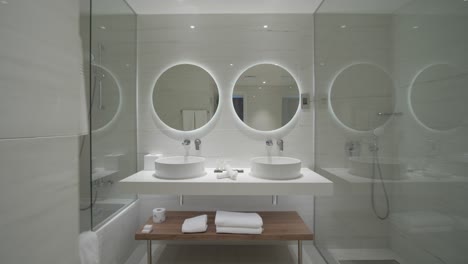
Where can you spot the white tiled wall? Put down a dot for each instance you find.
(218, 41)
(346, 219)
(439, 38)
(42, 112)
(215, 43)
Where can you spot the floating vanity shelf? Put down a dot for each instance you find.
(286, 226)
(310, 183)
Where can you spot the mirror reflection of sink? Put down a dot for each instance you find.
(275, 168)
(179, 167)
(392, 169)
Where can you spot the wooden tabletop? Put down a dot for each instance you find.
(277, 226)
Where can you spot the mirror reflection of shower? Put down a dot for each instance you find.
(97, 77)
(105, 98)
(377, 170)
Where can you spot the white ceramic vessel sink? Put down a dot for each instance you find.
(179, 167)
(392, 169)
(275, 168)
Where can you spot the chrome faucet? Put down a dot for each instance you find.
(197, 144)
(280, 144)
(269, 142)
(186, 142)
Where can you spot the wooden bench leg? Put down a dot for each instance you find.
(149, 251)
(299, 251)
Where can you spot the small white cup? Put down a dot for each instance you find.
(159, 215)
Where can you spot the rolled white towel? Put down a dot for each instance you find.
(235, 219)
(239, 230)
(195, 224)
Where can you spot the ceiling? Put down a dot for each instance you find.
(143, 7)
(223, 6)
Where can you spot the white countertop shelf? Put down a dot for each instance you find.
(310, 183)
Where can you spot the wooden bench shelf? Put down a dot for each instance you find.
(277, 226)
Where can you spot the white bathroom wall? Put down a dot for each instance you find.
(215, 43)
(426, 34)
(42, 113)
(346, 220)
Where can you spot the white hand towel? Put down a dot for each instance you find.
(201, 118)
(89, 248)
(234, 219)
(239, 230)
(195, 224)
(188, 120)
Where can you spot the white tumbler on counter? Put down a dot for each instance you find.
(148, 161)
(159, 215)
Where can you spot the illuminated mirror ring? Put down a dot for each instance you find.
(104, 109)
(185, 100)
(437, 97)
(265, 100)
(361, 97)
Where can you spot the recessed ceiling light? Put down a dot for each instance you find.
(103, 27)
(290, 87)
(260, 87)
(265, 26)
(415, 27)
(3, 2)
(231, 64)
(343, 26)
(264, 82)
(192, 26)
(322, 64)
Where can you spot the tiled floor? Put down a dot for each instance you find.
(390, 261)
(366, 256)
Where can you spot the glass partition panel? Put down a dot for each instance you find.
(398, 157)
(111, 148)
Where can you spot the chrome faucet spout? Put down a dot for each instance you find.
(186, 142)
(280, 144)
(197, 144)
(269, 142)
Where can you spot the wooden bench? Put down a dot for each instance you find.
(277, 226)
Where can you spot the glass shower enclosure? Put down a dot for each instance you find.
(108, 153)
(392, 131)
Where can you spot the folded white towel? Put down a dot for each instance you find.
(195, 224)
(89, 248)
(239, 230)
(234, 219)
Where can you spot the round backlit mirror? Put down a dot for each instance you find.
(438, 97)
(266, 97)
(185, 97)
(105, 98)
(362, 97)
